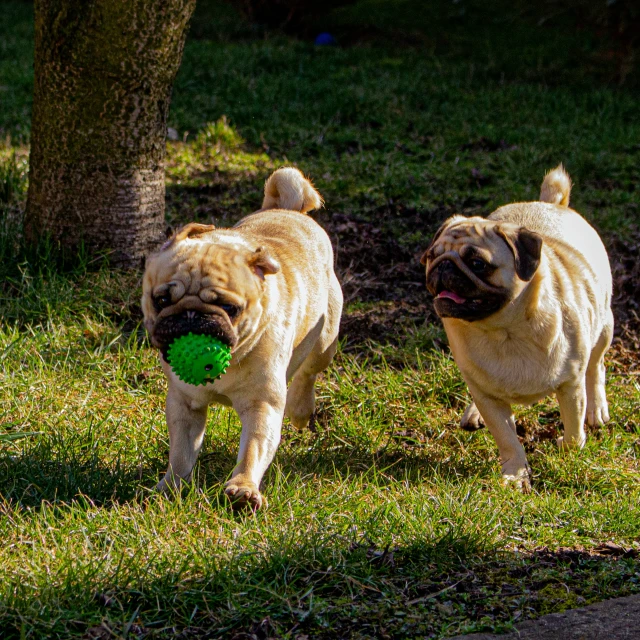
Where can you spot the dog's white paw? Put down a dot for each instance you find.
(598, 415)
(471, 419)
(517, 476)
(170, 484)
(244, 494)
(568, 444)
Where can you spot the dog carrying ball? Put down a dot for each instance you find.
(198, 359)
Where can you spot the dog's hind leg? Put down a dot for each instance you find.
(597, 407)
(471, 419)
(572, 398)
(301, 395)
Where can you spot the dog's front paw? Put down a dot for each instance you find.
(598, 414)
(568, 444)
(244, 494)
(171, 484)
(472, 420)
(519, 478)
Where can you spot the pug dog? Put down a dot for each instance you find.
(525, 299)
(266, 288)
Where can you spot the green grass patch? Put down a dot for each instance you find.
(387, 508)
(388, 520)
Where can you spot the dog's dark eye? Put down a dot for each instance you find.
(477, 265)
(230, 309)
(161, 301)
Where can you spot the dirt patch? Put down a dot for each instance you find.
(616, 619)
(386, 323)
(386, 276)
(373, 266)
(625, 266)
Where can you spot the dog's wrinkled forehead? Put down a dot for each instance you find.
(193, 264)
(460, 234)
(464, 234)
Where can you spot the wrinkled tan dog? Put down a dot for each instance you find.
(525, 299)
(268, 289)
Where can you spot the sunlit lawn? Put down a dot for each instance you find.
(387, 521)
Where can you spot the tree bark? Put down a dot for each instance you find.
(104, 70)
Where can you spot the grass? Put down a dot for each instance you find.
(388, 521)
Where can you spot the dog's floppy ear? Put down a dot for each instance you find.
(443, 226)
(191, 230)
(526, 246)
(262, 262)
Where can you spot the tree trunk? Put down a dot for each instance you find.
(104, 70)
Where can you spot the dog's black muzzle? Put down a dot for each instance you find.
(169, 328)
(477, 303)
(446, 276)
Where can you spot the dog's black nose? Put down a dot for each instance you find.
(447, 266)
(451, 278)
(446, 272)
(191, 321)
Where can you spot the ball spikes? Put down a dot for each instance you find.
(198, 359)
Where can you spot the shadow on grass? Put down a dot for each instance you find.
(66, 465)
(60, 470)
(31, 480)
(388, 465)
(324, 587)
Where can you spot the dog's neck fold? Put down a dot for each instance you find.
(529, 320)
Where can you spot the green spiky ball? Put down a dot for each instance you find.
(198, 359)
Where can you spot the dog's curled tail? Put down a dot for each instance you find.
(556, 187)
(288, 189)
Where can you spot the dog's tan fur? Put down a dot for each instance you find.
(277, 266)
(551, 335)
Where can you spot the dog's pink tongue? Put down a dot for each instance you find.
(452, 296)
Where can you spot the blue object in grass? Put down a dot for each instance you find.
(325, 39)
